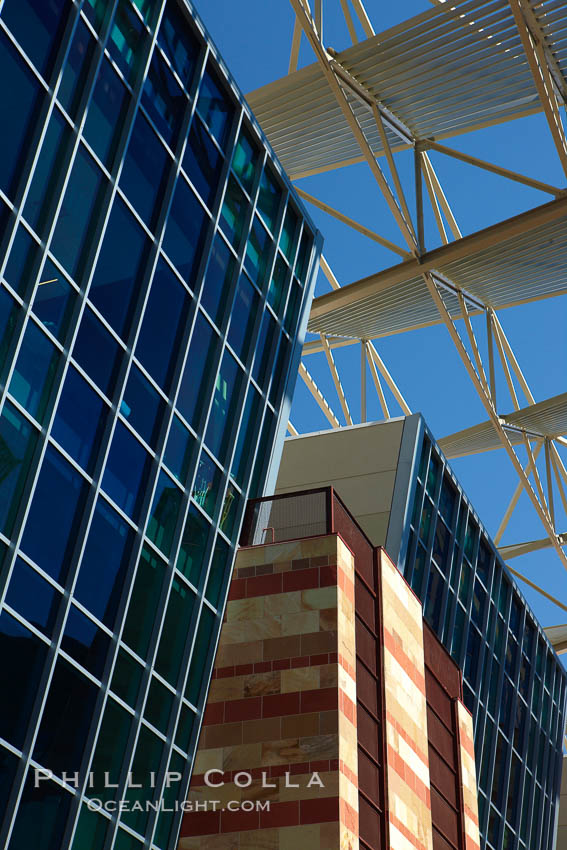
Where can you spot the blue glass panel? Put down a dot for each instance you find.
(8, 766)
(289, 229)
(230, 511)
(33, 597)
(126, 41)
(179, 450)
(194, 546)
(121, 264)
(126, 473)
(17, 444)
(165, 318)
(177, 42)
(9, 311)
(141, 617)
(80, 205)
(106, 112)
(85, 642)
(278, 288)
(49, 173)
(54, 301)
(23, 657)
(80, 419)
(42, 814)
(214, 106)
(164, 100)
(185, 231)
(245, 159)
(233, 212)
(164, 514)
(104, 564)
(265, 349)
(145, 170)
(176, 630)
(142, 406)
(304, 255)
(222, 415)
(246, 442)
(242, 318)
(76, 69)
(96, 11)
(263, 454)
(206, 634)
(38, 27)
(97, 352)
(218, 280)
(34, 372)
(20, 269)
(207, 483)
(218, 573)
(67, 715)
(202, 162)
(258, 250)
(56, 508)
(199, 372)
(292, 310)
(19, 100)
(280, 370)
(269, 198)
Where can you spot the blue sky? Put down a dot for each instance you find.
(254, 38)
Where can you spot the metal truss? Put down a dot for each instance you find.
(380, 132)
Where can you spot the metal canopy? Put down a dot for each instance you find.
(519, 260)
(447, 71)
(558, 637)
(545, 419)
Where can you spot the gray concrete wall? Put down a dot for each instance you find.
(360, 462)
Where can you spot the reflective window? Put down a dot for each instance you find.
(233, 212)
(110, 750)
(80, 419)
(177, 42)
(177, 765)
(292, 310)
(280, 366)
(164, 100)
(230, 510)
(147, 758)
(73, 231)
(67, 715)
(179, 450)
(96, 11)
(126, 471)
(263, 453)
(214, 106)
(176, 629)
(106, 112)
(193, 546)
(54, 301)
(218, 573)
(246, 442)
(91, 830)
(242, 318)
(203, 643)
(8, 766)
(184, 728)
(258, 250)
(218, 281)
(164, 514)
(304, 255)
(199, 372)
(19, 100)
(127, 677)
(56, 510)
(21, 266)
(165, 318)
(38, 27)
(145, 598)
(97, 352)
(126, 41)
(121, 264)
(287, 238)
(278, 289)
(9, 310)
(207, 483)
(158, 705)
(185, 231)
(18, 440)
(245, 159)
(49, 174)
(202, 162)
(223, 410)
(104, 564)
(85, 642)
(76, 69)
(142, 406)
(42, 814)
(269, 198)
(33, 597)
(23, 655)
(265, 350)
(145, 170)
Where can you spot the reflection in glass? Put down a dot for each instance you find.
(202, 162)
(221, 418)
(269, 198)
(53, 301)
(97, 352)
(218, 280)
(176, 630)
(258, 250)
(145, 170)
(164, 513)
(193, 546)
(233, 212)
(164, 100)
(80, 419)
(179, 450)
(206, 487)
(242, 318)
(126, 471)
(140, 620)
(23, 655)
(214, 107)
(17, 444)
(177, 42)
(33, 597)
(185, 231)
(244, 159)
(85, 642)
(199, 372)
(142, 406)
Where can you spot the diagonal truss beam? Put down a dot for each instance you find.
(318, 396)
(336, 379)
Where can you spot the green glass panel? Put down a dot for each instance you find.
(193, 546)
(9, 313)
(17, 444)
(287, 238)
(230, 510)
(258, 250)
(177, 766)
(221, 423)
(125, 841)
(147, 758)
(33, 375)
(49, 173)
(185, 725)
(207, 484)
(146, 592)
(203, 642)
(164, 513)
(269, 198)
(179, 450)
(126, 40)
(292, 310)
(244, 160)
(277, 290)
(245, 444)
(303, 257)
(176, 629)
(233, 212)
(218, 573)
(158, 705)
(127, 677)
(110, 750)
(91, 831)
